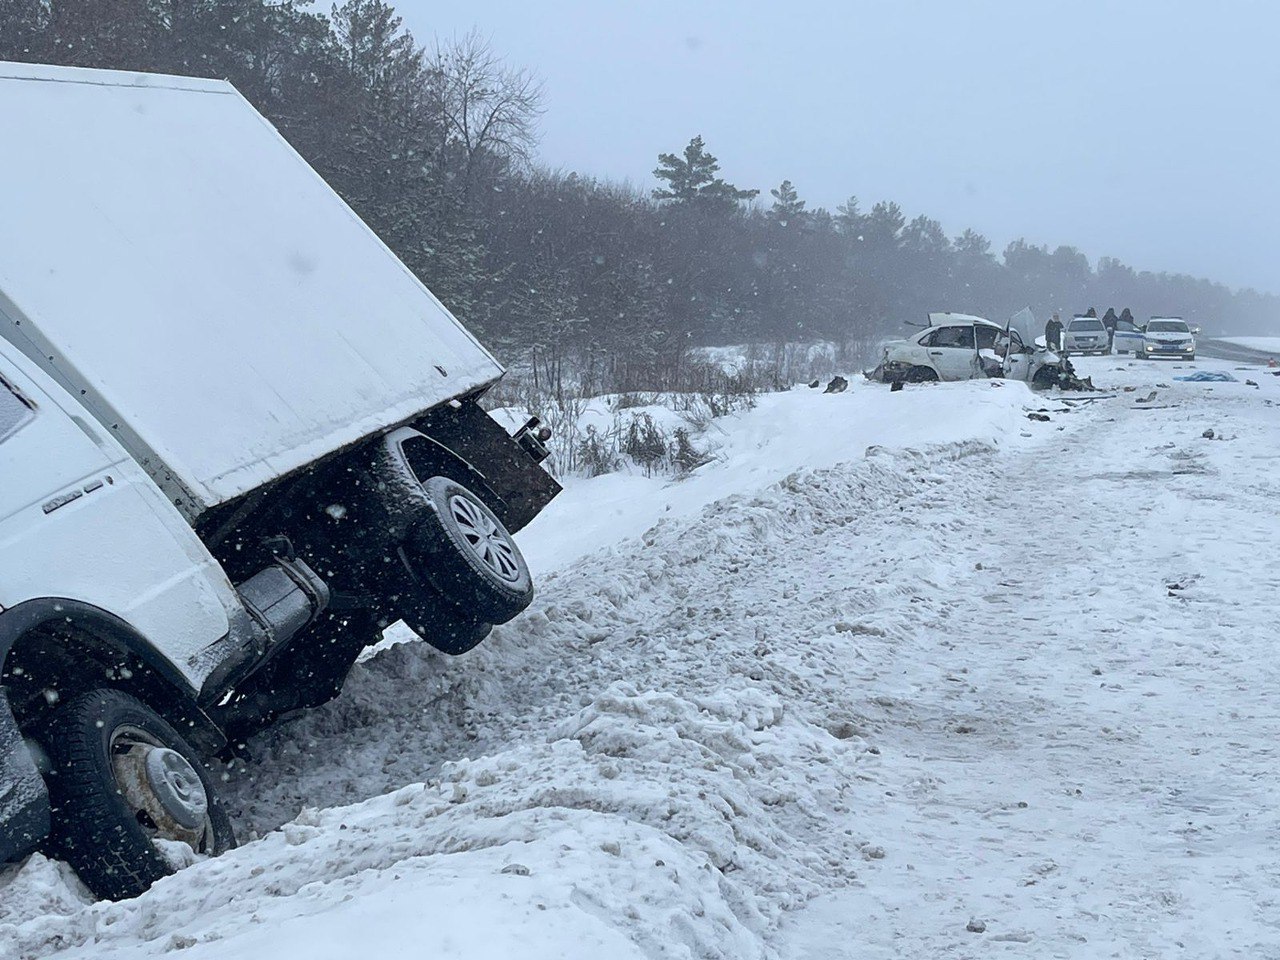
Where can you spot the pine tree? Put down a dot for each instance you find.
(691, 179)
(788, 208)
(848, 218)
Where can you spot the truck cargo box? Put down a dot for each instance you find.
(173, 262)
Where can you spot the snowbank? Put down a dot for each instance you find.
(659, 759)
(784, 433)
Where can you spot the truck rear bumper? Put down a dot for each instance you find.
(24, 802)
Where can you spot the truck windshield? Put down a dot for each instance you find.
(1167, 326)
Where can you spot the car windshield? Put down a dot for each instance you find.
(1167, 326)
(1086, 323)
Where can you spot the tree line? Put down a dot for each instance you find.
(434, 148)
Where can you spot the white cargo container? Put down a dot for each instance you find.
(237, 437)
(171, 260)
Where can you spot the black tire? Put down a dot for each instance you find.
(465, 552)
(921, 375)
(440, 623)
(96, 829)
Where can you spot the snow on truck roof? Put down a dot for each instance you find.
(166, 254)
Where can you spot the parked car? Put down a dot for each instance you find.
(960, 346)
(1085, 335)
(1127, 338)
(237, 438)
(1168, 337)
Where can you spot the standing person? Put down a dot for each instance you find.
(1091, 312)
(1109, 320)
(1053, 334)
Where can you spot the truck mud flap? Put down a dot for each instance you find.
(24, 802)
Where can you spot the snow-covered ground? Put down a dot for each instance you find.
(1256, 343)
(892, 666)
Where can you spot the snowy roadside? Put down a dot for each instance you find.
(624, 716)
(698, 730)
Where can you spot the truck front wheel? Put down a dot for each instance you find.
(130, 798)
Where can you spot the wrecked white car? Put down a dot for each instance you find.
(960, 346)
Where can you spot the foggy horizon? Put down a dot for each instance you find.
(1143, 134)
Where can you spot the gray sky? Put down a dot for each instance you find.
(1148, 130)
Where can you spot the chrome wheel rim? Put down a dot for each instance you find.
(485, 538)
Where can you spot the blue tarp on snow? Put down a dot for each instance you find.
(1209, 376)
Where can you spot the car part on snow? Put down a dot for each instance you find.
(131, 801)
(838, 384)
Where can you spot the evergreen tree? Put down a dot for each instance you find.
(691, 179)
(788, 208)
(848, 218)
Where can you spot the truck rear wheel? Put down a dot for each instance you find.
(462, 548)
(131, 800)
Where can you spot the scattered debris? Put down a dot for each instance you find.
(1148, 398)
(816, 382)
(1130, 389)
(518, 869)
(1040, 417)
(1250, 383)
(838, 384)
(896, 386)
(1209, 434)
(976, 926)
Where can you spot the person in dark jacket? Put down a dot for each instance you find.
(1053, 334)
(1109, 320)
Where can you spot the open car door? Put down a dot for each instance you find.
(1019, 342)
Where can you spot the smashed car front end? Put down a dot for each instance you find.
(894, 362)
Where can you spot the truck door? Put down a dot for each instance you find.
(79, 520)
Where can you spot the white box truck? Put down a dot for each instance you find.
(237, 438)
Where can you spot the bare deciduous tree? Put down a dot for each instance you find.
(490, 109)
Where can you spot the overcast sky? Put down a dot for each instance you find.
(1148, 130)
